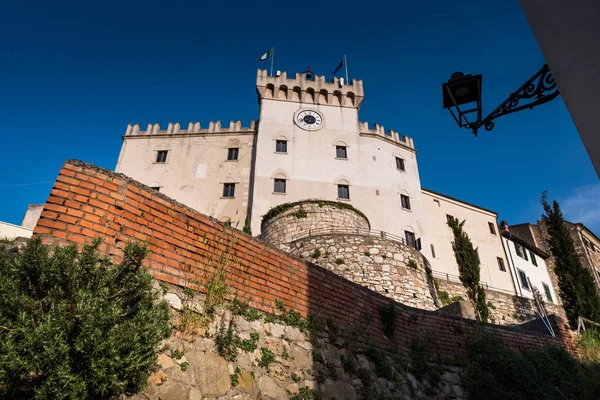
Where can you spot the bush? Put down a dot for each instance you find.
(496, 372)
(73, 325)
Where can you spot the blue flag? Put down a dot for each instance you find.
(340, 65)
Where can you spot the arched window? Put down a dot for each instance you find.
(270, 90)
(350, 97)
(281, 144)
(343, 189)
(279, 183)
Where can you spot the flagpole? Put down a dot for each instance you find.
(272, 59)
(346, 66)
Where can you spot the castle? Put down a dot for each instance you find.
(310, 144)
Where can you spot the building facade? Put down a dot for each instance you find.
(307, 144)
(528, 265)
(480, 225)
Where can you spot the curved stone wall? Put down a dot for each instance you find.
(378, 264)
(310, 216)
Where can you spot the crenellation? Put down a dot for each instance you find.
(192, 128)
(389, 134)
(303, 90)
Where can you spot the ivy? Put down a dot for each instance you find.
(281, 208)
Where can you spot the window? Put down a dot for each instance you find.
(405, 201)
(229, 190)
(161, 156)
(501, 264)
(432, 251)
(157, 188)
(533, 260)
(232, 154)
(343, 192)
(523, 279)
(400, 164)
(410, 238)
(548, 293)
(524, 253)
(340, 152)
(281, 146)
(492, 228)
(279, 186)
(519, 250)
(449, 217)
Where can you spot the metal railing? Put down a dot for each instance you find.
(353, 231)
(456, 279)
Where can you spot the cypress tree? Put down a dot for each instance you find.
(575, 282)
(469, 267)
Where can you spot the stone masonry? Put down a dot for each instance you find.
(505, 309)
(378, 264)
(308, 217)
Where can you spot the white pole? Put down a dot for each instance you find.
(346, 65)
(272, 59)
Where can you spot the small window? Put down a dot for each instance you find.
(548, 293)
(400, 164)
(533, 259)
(343, 192)
(161, 156)
(229, 190)
(501, 264)
(449, 217)
(518, 249)
(279, 186)
(432, 251)
(405, 201)
(281, 146)
(411, 240)
(232, 154)
(340, 152)
(524, 253)
(523, 279)
(492, 228)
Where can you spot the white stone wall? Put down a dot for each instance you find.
(32, 215)
(195, 170)
(312, 170)
(10, 231)
(378, 264)
(290, 225)
(489, 245)
(536, 274)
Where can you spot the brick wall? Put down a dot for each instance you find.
(88, 202)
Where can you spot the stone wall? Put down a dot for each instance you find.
(505, 309)
(185, 247)
(309, 216)
(378, 264)
(327, 363)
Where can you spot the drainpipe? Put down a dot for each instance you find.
(512, 262)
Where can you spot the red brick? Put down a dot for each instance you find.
(76, 239)
(59, 193)
(67, 172)
(75, 213)
(81, 191)
(98, 204)
(67, 218)
(68, 180)
(73, 229)
(72, 204)
(111, 186)
(52, 224)
(39, 230)
(59, 234)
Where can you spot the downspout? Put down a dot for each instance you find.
(512, 262)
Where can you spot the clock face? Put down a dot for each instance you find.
(309, 120)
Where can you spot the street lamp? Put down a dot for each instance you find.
(465, 90)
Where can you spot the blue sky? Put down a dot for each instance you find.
(74, 74)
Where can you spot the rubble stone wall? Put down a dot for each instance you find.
(379, 264)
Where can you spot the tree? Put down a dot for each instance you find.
(74, 326)
(469, 267)
(575, 282)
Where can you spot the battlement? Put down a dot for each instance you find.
(193, 128)
(311, 91)
(389, 135)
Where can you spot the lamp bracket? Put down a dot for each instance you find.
(541, 88)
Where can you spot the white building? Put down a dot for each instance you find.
(528, 265)
(480, 225)
(308, 143)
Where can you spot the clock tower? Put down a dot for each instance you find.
(310, 144)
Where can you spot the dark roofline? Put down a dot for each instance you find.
(526, 244)
(580, 224)
(460, 201)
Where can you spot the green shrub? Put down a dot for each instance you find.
(266, 358)
(496, 372)
(387, 313)
(227, 342)
(588, 345)
(73, 325)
